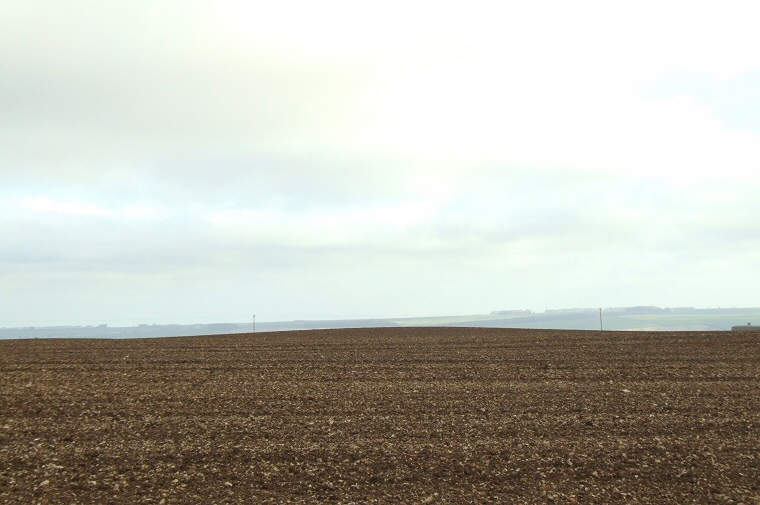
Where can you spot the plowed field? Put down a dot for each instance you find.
(423, 415)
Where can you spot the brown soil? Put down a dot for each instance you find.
(424, 415)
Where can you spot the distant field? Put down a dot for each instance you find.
(613, 319)
(391, 415)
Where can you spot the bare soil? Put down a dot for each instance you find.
(419, 415)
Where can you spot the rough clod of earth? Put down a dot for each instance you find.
(415, 415)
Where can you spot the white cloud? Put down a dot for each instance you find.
(44, 204)
(407, 151)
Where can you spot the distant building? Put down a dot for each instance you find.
(747, 327)
(643, 310)
(511, 312)
(569, 311)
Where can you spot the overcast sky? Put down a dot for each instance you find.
(180, 161)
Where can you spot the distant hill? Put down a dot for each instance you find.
(642, 318)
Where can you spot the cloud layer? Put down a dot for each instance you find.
(165, 161)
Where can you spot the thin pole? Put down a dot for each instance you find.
(601, 326)
(254, 323)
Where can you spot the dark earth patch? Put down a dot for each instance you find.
(394, 415)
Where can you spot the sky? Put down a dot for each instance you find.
(194, 162)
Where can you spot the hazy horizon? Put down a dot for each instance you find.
(289, 318)
(204, 161)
